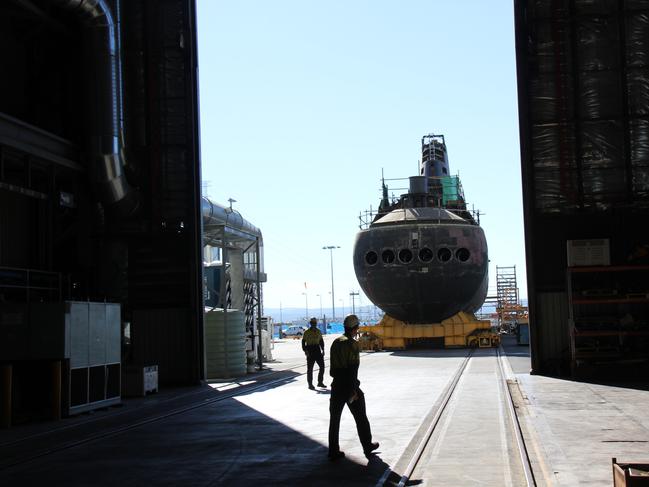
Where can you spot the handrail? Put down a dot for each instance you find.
(23, 278)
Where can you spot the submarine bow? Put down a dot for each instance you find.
(424, 257)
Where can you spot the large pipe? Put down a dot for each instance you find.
(215, 214)
(104, 102)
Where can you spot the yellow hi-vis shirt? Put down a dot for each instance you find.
(345, 354)
(312, 337)
(344, 359)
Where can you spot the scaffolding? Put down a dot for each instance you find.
(508, 305)
(488, 309)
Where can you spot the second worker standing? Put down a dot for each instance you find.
(313, 347)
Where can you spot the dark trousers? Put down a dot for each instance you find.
(311, 358)
(357, 408)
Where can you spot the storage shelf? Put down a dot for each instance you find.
(605, 333)
(610, 357)
(596, 355)
(596, 334)
(609, 300)
(609, 268)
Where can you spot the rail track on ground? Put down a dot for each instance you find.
(423, 460)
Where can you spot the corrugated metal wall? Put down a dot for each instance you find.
(165, 257)
(551, 330)
(583, 87)
(149, 260)
(160, 337)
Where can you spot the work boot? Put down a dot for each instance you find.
(322, 384)
(336, 455)
(311, 387)
(370, 448)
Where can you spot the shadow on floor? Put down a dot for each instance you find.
(220, 443)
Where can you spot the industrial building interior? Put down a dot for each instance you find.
(100, 188)
(102, 221)
(583, 83)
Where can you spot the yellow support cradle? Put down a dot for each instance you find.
(460, 330)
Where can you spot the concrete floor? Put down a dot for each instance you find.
(277, 435)
(574, 428)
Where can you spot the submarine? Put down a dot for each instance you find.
(422, 257)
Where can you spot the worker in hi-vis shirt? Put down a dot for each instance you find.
(313, 347)
(344, 360)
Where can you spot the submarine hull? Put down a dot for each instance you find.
(423, 271)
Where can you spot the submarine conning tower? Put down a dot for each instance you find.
(423, 258)
(434, 157)
(433, 188)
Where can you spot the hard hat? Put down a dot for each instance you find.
(313, 320)
(351, 321)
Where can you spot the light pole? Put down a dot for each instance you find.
(321, 315)
(331, 248)
(306, 306)
(352, 295)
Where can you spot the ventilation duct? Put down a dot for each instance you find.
(232, 221)
(104, 102)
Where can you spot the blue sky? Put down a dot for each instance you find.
(303, 103)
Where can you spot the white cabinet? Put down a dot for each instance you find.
(93, 347)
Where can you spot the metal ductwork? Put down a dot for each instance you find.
(231, 220)
(104, 102)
